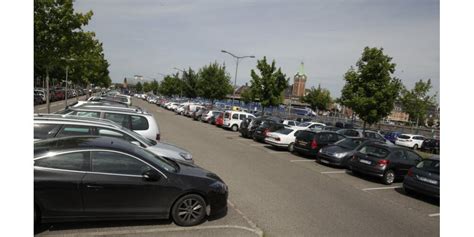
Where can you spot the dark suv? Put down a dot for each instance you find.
(386, 162)
(309, 142)
(430, 145)
(267, 125)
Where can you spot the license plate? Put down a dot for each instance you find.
(368, 162)
(325, 161)
(302, 143)
(426, 180)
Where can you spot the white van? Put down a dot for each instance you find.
(232, 119)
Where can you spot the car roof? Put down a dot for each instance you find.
(73, 118)
(133, 110)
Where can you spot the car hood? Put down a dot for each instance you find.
(195, 171)
(333, 149)
(169, 150)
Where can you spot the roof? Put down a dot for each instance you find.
(72, 118)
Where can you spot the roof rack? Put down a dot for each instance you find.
(111, 107)
(75, 118)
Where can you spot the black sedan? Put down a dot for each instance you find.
(423, 178)
(340, 152)
(309, 142)
(103, 178)
(386, 162)
(267, 125)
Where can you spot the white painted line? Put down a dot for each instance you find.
(433, 215)
(302, 161)
(381, 188)
(276, 152)
(41, 108)
(334, 172)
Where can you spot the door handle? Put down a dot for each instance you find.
(94, 186)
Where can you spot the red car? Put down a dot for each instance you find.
(220, 120)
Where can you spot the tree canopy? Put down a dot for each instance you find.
(268, 85)
(190, 79)
(371, 90)
(318, 99)
(416, 102)
(170, 86)
(213, 82)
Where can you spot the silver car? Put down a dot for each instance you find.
(54, 125)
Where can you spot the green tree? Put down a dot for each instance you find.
(139, 87)
(170, 86)
(146, 87)
(267, 87)
(154, 87)
(190, 79)
(213, 82)
(371, 90)
(318, 99)
(417, 101)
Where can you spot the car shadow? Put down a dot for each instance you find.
(61, 226)
(420, 197)
(369, 178)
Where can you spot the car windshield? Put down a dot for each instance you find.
(349, 143)
(305, 124)
(285, 131)
(374, 151)
(429, 165)
(160, 161)
(147, 141)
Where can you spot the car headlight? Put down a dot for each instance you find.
(186, 156)
(340, 155)
(219, 187)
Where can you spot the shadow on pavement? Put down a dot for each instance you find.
(421, 197)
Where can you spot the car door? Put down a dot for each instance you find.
(399, 162)
(412, 160)
(115, 186)
(57, 183)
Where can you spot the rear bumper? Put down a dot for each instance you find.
(305, 151)
(420, 187)
(332, 160)
(273, 143)
(356, 166)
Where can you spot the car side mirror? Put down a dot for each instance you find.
(151, 175)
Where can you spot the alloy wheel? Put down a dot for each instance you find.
(389, 177)
(189, 210)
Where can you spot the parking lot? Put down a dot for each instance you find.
(274, 192)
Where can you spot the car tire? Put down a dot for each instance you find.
(388, 177)
(189, 210)
(415, 147)
(291, 147)
(234, 128)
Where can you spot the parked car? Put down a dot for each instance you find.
(430, 145)
(424, 178)
(330, 128)
(283, 138)
(312, 126)
(360, 133)
(392, 136)
(50, 126)
(339, 153)
(209, 115)
(344, 125)
(244, 127)
(386, 162)
(410, 140)
(290, 122)
(219, 119)
(267, 126)
(108, 178)
(197, 114)
(37, 99)
(232, 119)
(133, 118)
(309, 142)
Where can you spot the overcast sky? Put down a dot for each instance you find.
(148, 37)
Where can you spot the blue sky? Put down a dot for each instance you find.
(148, 37)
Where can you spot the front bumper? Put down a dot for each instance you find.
(362, 168)
(412, 183)
(326, 159)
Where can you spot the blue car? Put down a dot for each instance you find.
(392, 136)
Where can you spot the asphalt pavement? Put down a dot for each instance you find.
(276, 193)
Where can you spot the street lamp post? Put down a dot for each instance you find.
(236, 68)
(67, 72)
(182, 81)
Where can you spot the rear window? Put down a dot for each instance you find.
(305, 135)
(285, 131)
(139, 122)
(227, 115)
(374, 151)
(404, 137)
(74, 130)
(429, 165)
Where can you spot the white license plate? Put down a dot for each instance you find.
(325, 161)
(431, 181)
(368, 162)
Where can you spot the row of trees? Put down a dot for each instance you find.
(60, 41)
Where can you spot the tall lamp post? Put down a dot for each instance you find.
(67, 72)
(182, 81)
(236, 68)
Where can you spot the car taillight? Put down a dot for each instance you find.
(265, 132)
(157, 136)
(410, 172)
(314, 144)
(383, 162)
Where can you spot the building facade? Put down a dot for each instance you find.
(299, 83)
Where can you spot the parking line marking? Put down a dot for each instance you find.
(381, 188)
(334, 172)
(41, 108)
(301, 160)
(433, 215)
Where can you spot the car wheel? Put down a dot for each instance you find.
(388, 177)
(234, 128)
(415, 147)
(189, 210)
(291, 147)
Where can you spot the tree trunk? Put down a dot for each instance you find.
(363, 129)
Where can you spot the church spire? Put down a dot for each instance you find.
(301, 71)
